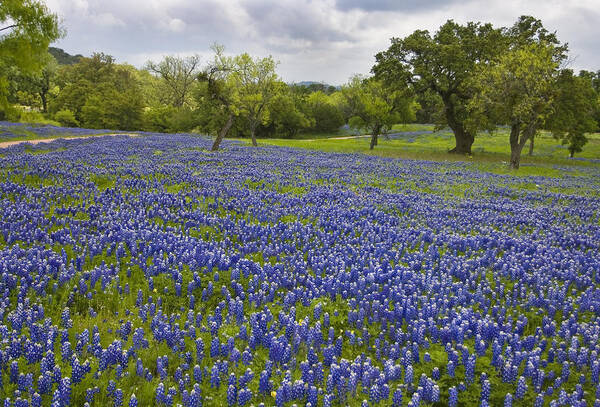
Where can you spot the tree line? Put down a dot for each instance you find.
(469, 77)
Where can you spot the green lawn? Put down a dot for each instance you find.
(491, 152)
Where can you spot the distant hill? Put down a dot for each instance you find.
(315, 86)
(314, 83)
(62, 57)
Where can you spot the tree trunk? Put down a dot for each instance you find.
(253, 134)
(531, 146)
(223, 133)
(515, 157)
(375, 135)
(373, 141)
(516, 144)
(44, 102)
(515, 151)
(464, 139)
(572, 153)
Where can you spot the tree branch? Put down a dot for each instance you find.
(9, 27)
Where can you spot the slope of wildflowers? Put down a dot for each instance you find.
(149, 271)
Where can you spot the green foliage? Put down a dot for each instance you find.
(35, 118)
(157, 119)
(9, 112)
(169, 119)
(430, 109)
(100, 93)
(177, 77)
(27, 27)
(376, 108)
(327, 116)
(66, 118)
(286, 115)
(574, 107)
(33, 89)
(594, 79)
(443, 64)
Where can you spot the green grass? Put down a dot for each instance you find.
(491, 152)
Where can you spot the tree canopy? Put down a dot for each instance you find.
(100, 93)
(27, 27)
(376, 108)
(519, 87)
(443, 63)
(574, 108)
(178, 76)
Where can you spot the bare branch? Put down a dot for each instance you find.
(9, 27)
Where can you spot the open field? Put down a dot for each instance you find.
(491, 152)
(277, 276)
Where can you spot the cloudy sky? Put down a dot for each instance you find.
(320, 40)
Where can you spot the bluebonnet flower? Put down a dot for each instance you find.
(215, 380)
(160, 395)
(65, 391)
(244, 397)
(521, 388)
(118, 402)
(427, 270)
(453, 397)
(36, 400)
(231, 395)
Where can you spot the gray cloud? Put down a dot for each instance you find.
(296, 20)
(326, 40)
(405, 6)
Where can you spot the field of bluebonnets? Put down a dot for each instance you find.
(150, 271)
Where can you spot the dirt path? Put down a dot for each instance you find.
(336, 138)
(48, 140)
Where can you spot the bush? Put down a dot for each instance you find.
(328, 118)
(66, 118)
(33, 117)
(168, 119)
(183, 120)
(10, 113)
(157, 119)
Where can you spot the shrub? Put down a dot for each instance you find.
(66, 118)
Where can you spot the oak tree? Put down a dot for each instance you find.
(443, 63)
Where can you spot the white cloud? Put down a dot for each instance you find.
(176, 25)
(108, 20)
(315, 40)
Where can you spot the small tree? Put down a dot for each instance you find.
(216, 95)
(255, 84)
(376, 108)
(575, 104)
(325, 114)
(518, 90)
(177, 75)
(236, 86)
